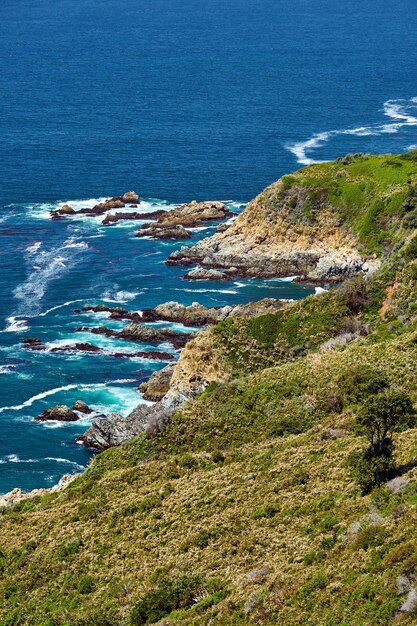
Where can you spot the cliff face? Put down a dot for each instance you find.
(269, 243)
(324, 223)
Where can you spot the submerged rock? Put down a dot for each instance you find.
(59, 413)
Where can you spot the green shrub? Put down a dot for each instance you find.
(149, 502)
(85, 585)
(268, 510)
(410, 220)
(68, 550)
(369, 537)
(170, 595)
(371, 469)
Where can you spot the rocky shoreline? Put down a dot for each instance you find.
(260, 243)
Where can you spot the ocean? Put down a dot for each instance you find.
(176, 100)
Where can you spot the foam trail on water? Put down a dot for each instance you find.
(400, 111)
(45, 267)
(60, 306)
(51, 392)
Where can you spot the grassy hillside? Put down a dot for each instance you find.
(245, 510)
(374, 197)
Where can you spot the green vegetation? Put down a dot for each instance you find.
(371, 195)
(265, 499)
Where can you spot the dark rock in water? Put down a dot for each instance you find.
(157, 386)
(113, 218)
(152, 356)
(80, 347)
(82, 407)
(61, 413)
(163, 232)
(33, 343)
(139, 332)
(201, 273)
(117, 202)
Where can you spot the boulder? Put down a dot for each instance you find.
(397, 484)
(82, 407)
(60, 413)
(66, 209)
(201, 273)
(130, 197)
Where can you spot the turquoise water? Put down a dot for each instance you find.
(179, 100)
(53, 268)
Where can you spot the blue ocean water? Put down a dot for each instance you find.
(179, 100)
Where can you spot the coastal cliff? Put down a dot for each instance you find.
(237, 501)
(324, 223)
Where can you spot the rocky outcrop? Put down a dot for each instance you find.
(82, 407)
(201, 273)
(113, 218)
(194, 315)
(139, 332)
(273, 238)
(59, 413)
(194, 214)
(117, 202)
(200, 363)
(154, 231)
(171, 224)
(114, 429)
(158, 384)
(15, 496)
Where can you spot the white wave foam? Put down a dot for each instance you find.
(61, 460)
(46, 266)
(203, 290)
(398, 110)
(7, 369)
(119, 296)
(14, 325)
(51, 392)
(319, 290)
(34, 247)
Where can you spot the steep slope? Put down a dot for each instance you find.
(243, 509)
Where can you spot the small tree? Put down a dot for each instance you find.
(383, 414)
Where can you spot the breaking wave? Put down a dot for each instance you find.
(403, 113)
